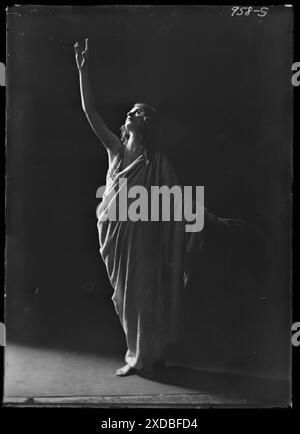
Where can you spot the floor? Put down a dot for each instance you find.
(46, 375)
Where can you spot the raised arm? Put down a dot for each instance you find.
(110, 141)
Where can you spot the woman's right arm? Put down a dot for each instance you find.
(111, 142)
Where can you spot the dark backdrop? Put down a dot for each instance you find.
(222, 87)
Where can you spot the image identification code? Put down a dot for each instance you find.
(161, 423)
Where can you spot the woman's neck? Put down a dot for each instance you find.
(135, 144)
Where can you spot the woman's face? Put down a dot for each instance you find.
(136, 118)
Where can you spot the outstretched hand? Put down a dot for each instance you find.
(81, 54)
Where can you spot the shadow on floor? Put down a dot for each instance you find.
(253, 390)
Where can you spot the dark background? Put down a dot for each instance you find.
(222, 88)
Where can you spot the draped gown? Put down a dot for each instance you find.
(146, 262)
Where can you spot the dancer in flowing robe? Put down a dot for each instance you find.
(147, 261)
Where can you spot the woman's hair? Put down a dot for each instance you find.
(148, 128)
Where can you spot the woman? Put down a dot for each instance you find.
(146, 261)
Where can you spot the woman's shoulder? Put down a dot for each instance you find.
(160, 157)
(165, 168)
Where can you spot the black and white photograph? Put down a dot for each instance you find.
(149, 173)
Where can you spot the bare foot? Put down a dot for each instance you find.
(125, 370)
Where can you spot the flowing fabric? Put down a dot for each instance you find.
(146, 262)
